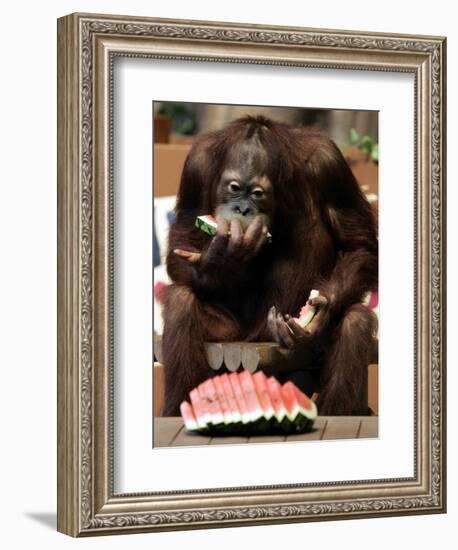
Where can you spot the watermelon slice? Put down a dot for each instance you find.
(187, 413)
(239, 397)
(251, 397)
(259, 379)
(247, 404)
(208, 224)
(221, 395)
(276, 398)
(308, 311)
(230, 397)
(300, 410)
(208, 396)
(201, 413)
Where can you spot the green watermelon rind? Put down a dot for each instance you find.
(301, 422)
(205, 227)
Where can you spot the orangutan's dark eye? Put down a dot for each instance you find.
(234, 186)
(257, 192)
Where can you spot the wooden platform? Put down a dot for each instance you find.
(251, 356)
(170, 432)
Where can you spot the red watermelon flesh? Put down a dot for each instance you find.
(203, 404)
(259, 379)
(251, 397)
(297, 403)
(188, 416)
(305, 402)
(209, 396)
(200, 410)
(221, 395)
(278, 404)
(239, 397)
(230, 397)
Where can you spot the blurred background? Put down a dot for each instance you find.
(181, 121)
(175, 126)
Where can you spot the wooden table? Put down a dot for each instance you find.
(170, 432)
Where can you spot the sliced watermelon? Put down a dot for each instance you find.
(239, 397)
(221, 396)
(230, 398)
(251, 397)
(259, 379)
(308, 311)
(201, 412)
(189, 418)
(305, 403)
(300, 410)
(209, 396)
(278, 404)
(207, 224)
(247, 404)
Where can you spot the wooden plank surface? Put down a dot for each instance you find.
(316, 434)
(342, 427)
(187, 439)
(266, 438)
(170, 432)
(165, 429)
(369, 427)
(229, 440)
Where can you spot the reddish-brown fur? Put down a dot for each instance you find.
(324, 237)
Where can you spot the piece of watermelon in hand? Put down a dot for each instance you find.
(208, 224)
(308, 311)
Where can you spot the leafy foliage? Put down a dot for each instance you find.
(366, 143)
(183, 119)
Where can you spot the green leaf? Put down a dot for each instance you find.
(374, 154)
(354, 136)
(366, 145)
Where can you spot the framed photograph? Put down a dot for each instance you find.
(234, 329)
(251, 291)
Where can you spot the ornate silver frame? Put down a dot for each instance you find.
(87, 44)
